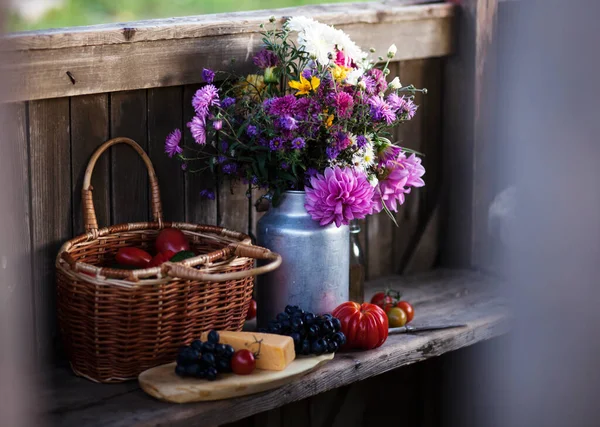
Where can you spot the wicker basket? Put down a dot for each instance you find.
(117, 323)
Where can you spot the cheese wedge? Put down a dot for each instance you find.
(275, 352)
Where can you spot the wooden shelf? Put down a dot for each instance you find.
(439, 297)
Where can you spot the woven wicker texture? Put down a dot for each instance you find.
(117, 323)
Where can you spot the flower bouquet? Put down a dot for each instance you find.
(316, 117)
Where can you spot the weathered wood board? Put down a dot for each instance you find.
(439, 297)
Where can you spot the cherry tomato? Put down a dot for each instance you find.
(407, 309)
(172, 239)
(134, 257)
(161, 257)
(396, 317)
(251, 310)
(243, 362)
(383, 300)
(365, 326)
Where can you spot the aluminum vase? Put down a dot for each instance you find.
(314, 274)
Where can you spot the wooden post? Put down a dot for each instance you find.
(466, 119)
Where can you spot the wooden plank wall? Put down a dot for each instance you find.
(61, 134)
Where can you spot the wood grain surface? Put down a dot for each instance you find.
(439, 297)
(172, 53)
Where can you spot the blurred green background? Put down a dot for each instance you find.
(39, 14)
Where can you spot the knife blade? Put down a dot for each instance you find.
(408, 329)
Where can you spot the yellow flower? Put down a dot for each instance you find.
(339, 72)
(304, 86)
(252, 86)
(329, 120)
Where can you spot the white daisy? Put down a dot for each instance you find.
(353, 76)
(345, 43)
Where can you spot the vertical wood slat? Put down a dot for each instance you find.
(16, 233)
(197, 210)
(409, 135)
(465, 149)
(129, 183)
(50, 166)
(89, 129)
(165, 111)
(234, 207)
(422, 133)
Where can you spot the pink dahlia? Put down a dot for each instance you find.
(414, 168)
(339, 195)
(400, 176)
(391, 190)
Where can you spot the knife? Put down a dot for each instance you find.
(414, 329)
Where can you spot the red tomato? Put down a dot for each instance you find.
(243, 362)
(161, 257)
(383, 300)
(172, 239)
(365, 326)
(133, 256)
(251, 310)
(408, 309)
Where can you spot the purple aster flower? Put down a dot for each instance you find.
(308, 73)
(381, 110)
(282, 106)
(332, 152)
(266, 59)
(218, 124)
(208, 75)
(172, 143)
(339, 195)
(370, 85)
(198, 128)
(285, 165)
(205, 98)
(344, 104)
(184, 166)
(207, 194)
(306, 107)
(361, 141)
(224, 146)
(230, 168)
(311, 172)
(298, 143)
(410, 108)
(288, 123)
(227, 102)
(221, 159)
(396, 102)
(276, 144)
(251, 131)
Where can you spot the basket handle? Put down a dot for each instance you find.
(183, 272)
(89, 213)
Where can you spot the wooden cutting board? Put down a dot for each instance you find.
(162, 383)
